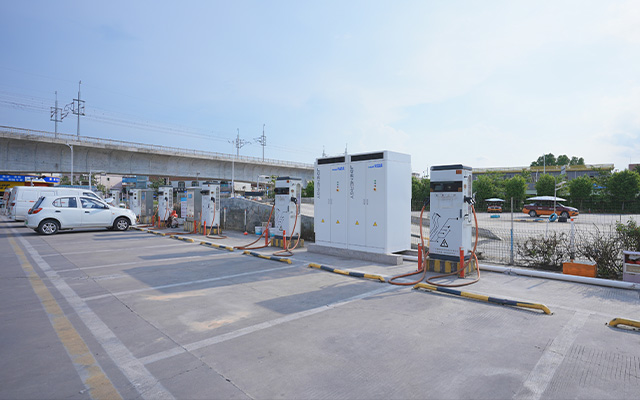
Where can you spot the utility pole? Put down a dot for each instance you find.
(78, 108)
(262, 140)
(55, 114)
(238, 143)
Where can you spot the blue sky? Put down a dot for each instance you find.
(486, 84)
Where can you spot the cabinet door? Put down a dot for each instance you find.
(322, 204)
(338, 190)
(356, 200)
(376, 203)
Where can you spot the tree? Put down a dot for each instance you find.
(156, 183)
(546, 185)
(549, 159)
(624, 186)
(308, 190)
(576, 161)
(563, 159)
(580, 189)
(484, 187)
(515, 188)
(420, 191)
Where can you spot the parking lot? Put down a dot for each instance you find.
(104, 314)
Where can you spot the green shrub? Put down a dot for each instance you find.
(546, 253)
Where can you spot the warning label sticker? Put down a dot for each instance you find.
(444, 243)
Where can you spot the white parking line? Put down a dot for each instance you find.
(258, 327)
(116, 294)
(141, 379)
(213, 255)
(542, 374)
(111, 250)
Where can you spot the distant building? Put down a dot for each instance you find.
(634, 167)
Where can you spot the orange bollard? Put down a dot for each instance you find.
(205, 228)
(461, 263)
(284, 240)
(266, 236)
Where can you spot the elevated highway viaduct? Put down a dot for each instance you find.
(24, 151)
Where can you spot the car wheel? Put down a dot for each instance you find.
(564, 214)
(121, 224)
(533, 213)
(48, 227)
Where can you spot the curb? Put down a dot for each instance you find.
(217, 246)
(274, 258)
(623, 321)
(348, 273)
(189, 240)
(495, 300)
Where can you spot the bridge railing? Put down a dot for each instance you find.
(9, 131)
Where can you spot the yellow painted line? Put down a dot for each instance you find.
(624, 321)
(99, 385)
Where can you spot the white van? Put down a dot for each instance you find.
(23, 198)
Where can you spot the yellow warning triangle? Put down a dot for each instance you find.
(322, 221)
(375, 224)
(338, 221)
(357, 223)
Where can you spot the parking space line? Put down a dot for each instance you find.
(258, 327)
(142, 262)
(141, 379)
(91, 373)
(147, 289)
(111, 250)
(544, 370)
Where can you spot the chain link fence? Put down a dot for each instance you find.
(501, 235)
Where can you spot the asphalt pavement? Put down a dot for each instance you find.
(102, 314)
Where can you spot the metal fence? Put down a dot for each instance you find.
(501, 235)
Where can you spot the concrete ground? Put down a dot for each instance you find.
(101, 314)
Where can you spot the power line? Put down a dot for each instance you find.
(34, 104)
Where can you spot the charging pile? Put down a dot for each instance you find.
(450, 227)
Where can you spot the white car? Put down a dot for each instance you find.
(53, 213)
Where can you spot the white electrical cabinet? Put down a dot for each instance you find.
(450, 215)
(194, 204)
(116, 195)
(210, 193)
(287, 219)
(330, 204)
(368, 198)
(141, 202)
(165, 202)
(135, 203)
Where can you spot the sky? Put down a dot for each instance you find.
(480, 83)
